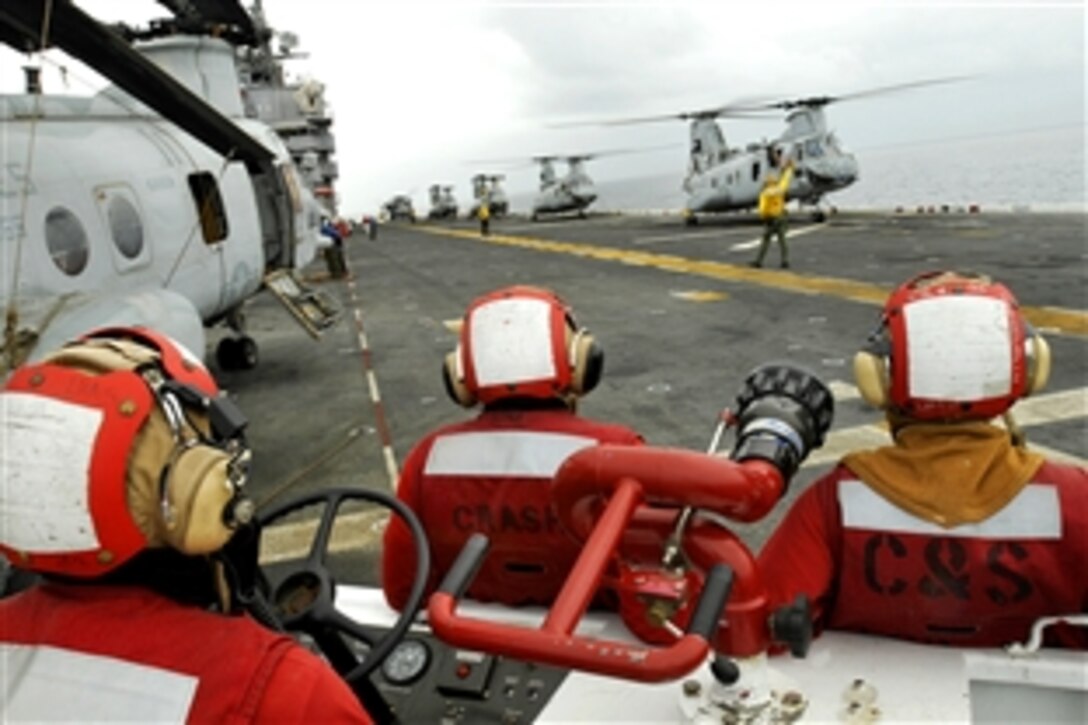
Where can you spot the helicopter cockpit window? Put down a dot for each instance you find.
(125, 227)
(813, 148)
(755, 171)
(209, 206)
(66, 240)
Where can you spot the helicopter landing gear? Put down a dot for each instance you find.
(819, 215)
(237, 353)
(534, 217)
(691, 220)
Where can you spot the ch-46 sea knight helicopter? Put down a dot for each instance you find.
(721, 178)
(398, 207)
(489, 186)
(575, 191)
(443, 203)
(153, 202)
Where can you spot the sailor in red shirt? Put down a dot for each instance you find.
(524, 358)
(122, 486)
(956, 533)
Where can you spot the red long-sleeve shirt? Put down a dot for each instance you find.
(492, 475)
(869, 566)
(100, 653)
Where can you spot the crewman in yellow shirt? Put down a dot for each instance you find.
(484, 214)
(772, 210)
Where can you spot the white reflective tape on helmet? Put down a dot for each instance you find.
(1035, 513)
(502, 453)
(45, 458)
(50, 684)
(511, 341)
(958, 348)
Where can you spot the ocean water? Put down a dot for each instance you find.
(1041, 170)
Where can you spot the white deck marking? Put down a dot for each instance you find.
(680, 236)
(1047, 408)
(790, 234)
(843, 391)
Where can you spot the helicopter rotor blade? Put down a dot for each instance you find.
(617, 152)
(618, 121)
(819, 101)
(737, 108)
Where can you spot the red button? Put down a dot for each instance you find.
(463, 670)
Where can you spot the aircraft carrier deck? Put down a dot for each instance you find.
(680, 314)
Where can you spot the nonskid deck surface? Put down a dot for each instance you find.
(680, 314)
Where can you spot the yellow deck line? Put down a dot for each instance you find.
(1047, 319)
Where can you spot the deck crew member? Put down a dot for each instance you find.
(956, 533)
(523, 358)
(484, 213)
(772, 210)
(123, 487)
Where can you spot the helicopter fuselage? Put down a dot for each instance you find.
(564, 196)
(121, 219)
(735, 180)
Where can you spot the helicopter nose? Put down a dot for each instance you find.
(834, 171)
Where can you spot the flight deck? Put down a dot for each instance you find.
(680, 314)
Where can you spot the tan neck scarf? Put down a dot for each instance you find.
(949, 474)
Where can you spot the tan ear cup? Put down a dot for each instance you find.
(1038, 364)
(871, 376)
(454, 380)
(586, 362)
(151, 453)
(198, 494)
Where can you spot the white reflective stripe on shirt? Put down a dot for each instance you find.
(41, 683)
(1035, 513)
(502, 453)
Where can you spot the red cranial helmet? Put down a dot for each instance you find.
(521, 342)
(116, 443)
(951, 347)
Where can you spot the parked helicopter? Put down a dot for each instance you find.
(400, 207)
(143, 204)
(443, 204)
(489, 186)
(575, 191)
(721, 178)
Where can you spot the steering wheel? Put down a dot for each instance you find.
(305, 599)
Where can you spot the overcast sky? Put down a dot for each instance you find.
(423, 90)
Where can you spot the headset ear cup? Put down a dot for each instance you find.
(871, 376)
(1039, 366)
(199, 493)
(455, 386)
(588, 364)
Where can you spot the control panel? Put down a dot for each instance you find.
(425, 680)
